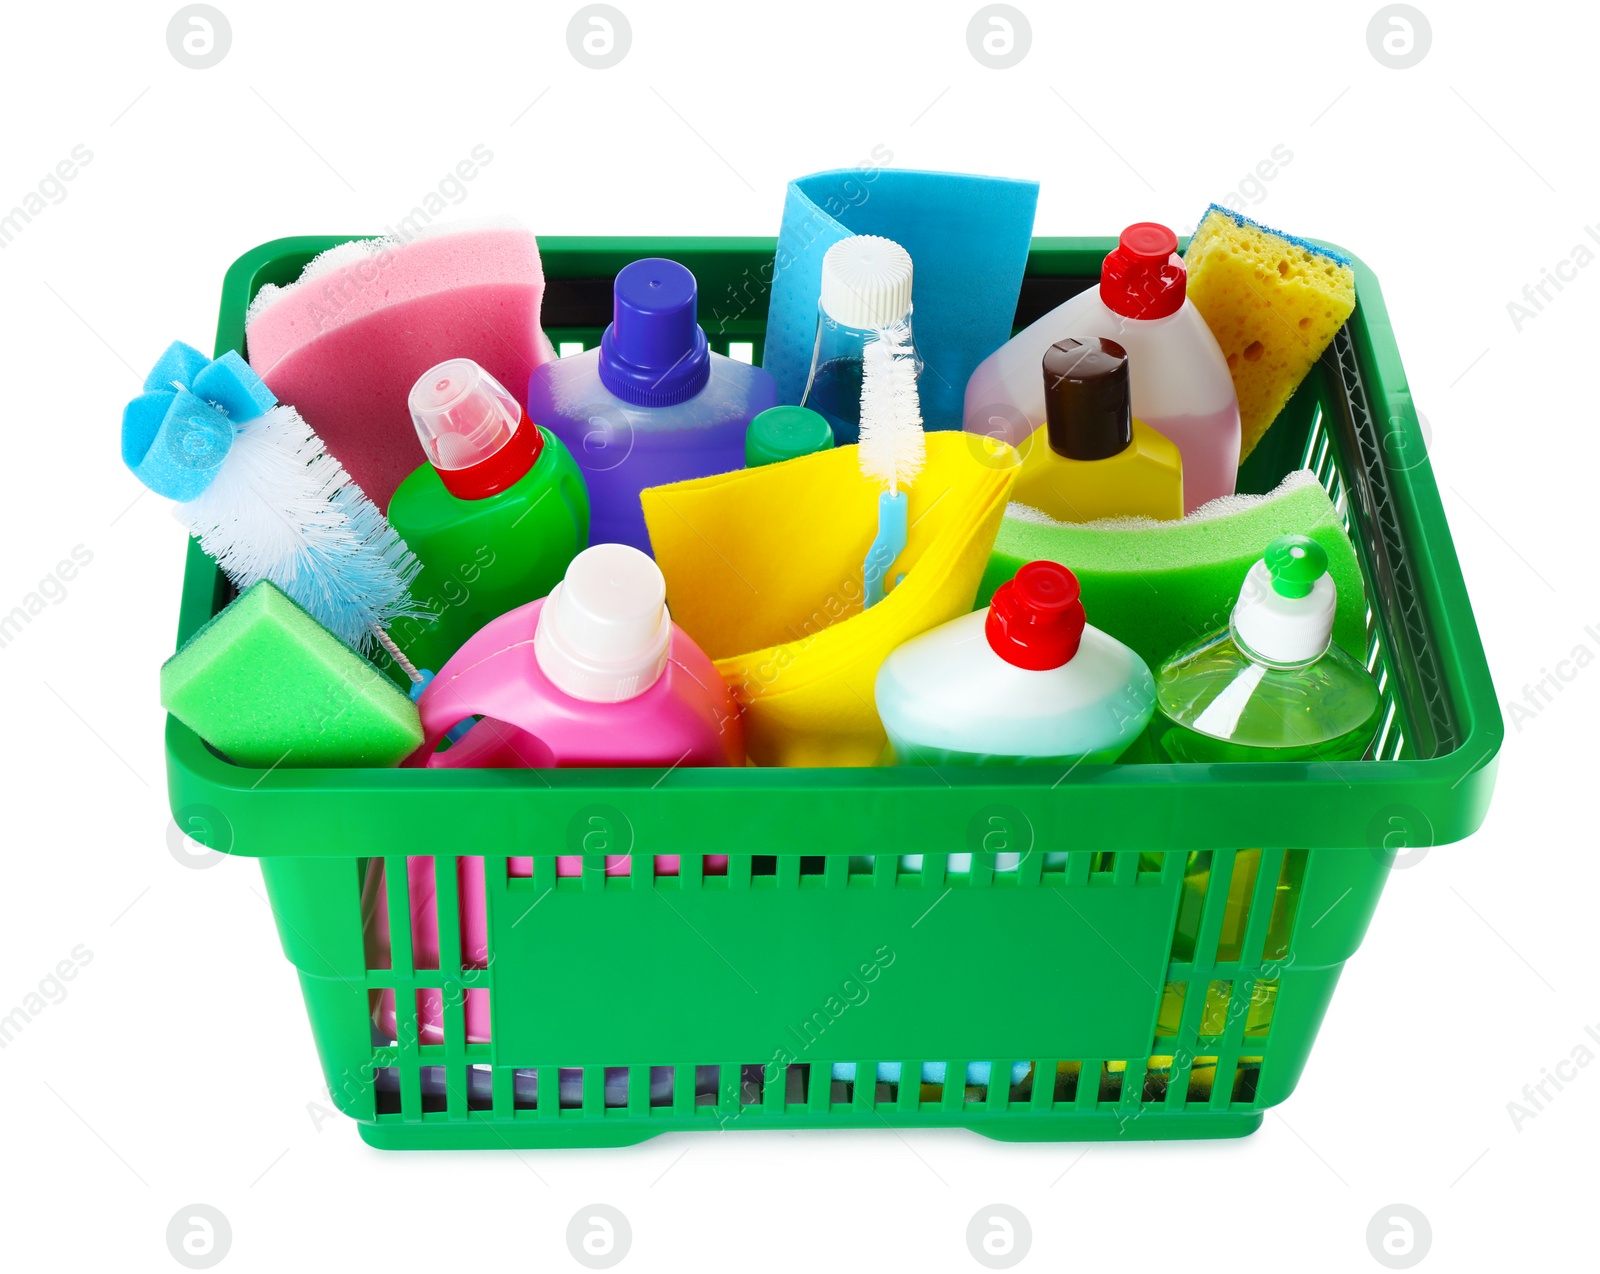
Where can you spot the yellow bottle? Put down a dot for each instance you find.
(1091, 459)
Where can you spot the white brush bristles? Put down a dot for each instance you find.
(892, 447)
(282, 509)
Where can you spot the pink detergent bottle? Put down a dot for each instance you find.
(596, 674)
(1180, 383)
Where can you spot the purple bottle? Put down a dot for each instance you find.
(652, 404)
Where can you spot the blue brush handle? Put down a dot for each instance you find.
(890, 543)
(455, 733)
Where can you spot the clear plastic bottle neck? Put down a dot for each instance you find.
(833, 385)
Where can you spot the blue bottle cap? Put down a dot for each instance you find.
(654, 354)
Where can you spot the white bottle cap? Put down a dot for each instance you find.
(604, 630)
(462, 414)
(1285, 611)
(866, 282)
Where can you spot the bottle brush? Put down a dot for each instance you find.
(892, 446)
(255, 485)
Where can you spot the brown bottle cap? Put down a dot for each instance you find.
(1087, 410)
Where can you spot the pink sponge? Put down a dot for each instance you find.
(346, 341)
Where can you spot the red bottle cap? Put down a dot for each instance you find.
(1036, 619)
(474, 433)
(1143, 277)
(505, 468)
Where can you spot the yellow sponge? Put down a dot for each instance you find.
(1272, 301)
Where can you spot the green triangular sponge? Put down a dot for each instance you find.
(268, 686)
(1159, 585)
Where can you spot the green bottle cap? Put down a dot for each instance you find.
(1296, 563)
(783, 433)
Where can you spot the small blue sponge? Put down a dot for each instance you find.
(177, 433)
(174, 442)
(232, 386)
(178, 365)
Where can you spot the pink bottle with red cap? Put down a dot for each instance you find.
(1179, 378)
(1025, 681)
(596, 674)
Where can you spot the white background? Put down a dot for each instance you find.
(179, 1068)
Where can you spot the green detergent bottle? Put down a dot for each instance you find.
(495, 515)
(1271, 686)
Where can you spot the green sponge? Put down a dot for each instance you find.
(1157, 586)
(268, 686)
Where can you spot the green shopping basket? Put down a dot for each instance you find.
(1132, 951)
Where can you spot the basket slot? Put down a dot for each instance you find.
(1214, 909)
(752, 1085)
(655, 1091)
(1198, 1079)
(1246, 1083)
(1156, 1086)
(1240, 897)
(796, 1083)
(1268, 873)
(1191, 905)
(408, 1057)
(1110, 1080)
(1285, 905)
(1263, 1007)
(396, 885)
(1169, 1013)
(447, 872)
(707, 1085)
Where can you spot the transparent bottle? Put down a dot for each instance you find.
(1271, 686)
(866, 284)
(1179, 379)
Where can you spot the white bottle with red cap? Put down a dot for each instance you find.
(1180, 381)
(1025, 681)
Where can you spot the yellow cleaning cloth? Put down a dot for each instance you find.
(763, 570)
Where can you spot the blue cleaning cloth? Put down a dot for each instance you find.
(177, 433)
(968, 238)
